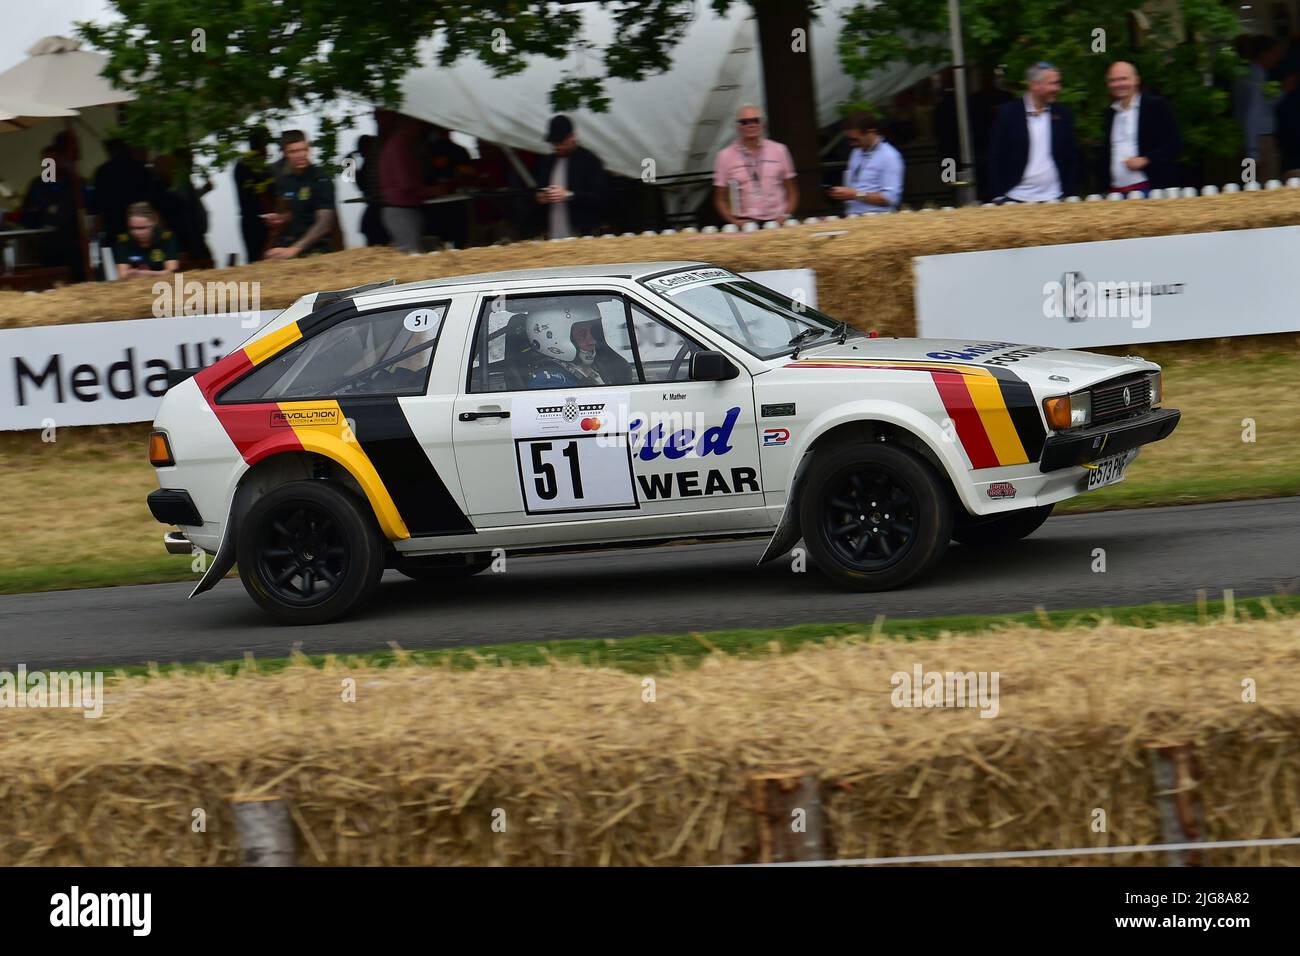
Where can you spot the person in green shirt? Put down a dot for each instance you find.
(306, 196)
(145, 248)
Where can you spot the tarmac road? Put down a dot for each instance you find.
(1157, 554)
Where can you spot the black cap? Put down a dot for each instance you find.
(559, 130)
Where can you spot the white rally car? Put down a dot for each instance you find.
(425, 426)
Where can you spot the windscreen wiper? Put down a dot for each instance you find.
(800, 337)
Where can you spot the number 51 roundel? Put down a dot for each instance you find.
(572, 452)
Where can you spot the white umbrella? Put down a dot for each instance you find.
(18, 114)
(59, 73)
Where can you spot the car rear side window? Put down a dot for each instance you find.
(386, 352)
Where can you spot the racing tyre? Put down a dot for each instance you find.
(447, 567)
(309, 552)
(1000, 529)
(874, 517)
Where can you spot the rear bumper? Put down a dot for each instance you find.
(172, 506)
(1064, 450)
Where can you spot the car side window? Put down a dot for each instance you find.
(665, 353)
(570, 340)
(385, 352)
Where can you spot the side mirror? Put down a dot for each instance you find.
(711, 367)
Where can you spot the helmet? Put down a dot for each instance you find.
(551, 332)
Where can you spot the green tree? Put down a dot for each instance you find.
(217, 68)
(1185, 48)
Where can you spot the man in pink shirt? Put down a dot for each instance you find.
(754, 178)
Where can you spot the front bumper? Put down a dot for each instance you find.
(1085, 445)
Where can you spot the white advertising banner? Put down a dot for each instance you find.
(100, 373)
(1116, 292)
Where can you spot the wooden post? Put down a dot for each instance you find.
(79, 201)
(1182, 817)
(265, 831)
(788, 813)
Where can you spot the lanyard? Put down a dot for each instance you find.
(752, 167)
(857, 165)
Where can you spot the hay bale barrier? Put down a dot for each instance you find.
(864, 265)
(572, 765)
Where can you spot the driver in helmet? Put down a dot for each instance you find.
(578, 352)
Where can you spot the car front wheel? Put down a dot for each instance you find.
(874, 517)
(308, 553)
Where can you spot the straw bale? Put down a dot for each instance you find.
(417, 769)
(864, 268)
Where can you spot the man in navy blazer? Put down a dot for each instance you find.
(1033, 155)
(1140, 142)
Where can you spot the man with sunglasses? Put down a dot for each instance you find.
(873, 180)
(754, 177)
(1033, 156)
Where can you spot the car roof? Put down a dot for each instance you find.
(622, 270)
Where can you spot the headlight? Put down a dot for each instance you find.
(1068, 411)
(1157, 388)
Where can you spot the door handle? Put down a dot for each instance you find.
(475, 416)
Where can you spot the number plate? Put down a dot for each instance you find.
(1109, 471)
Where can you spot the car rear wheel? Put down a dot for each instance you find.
(443, 567)
(999, 529)
(308, 553)
(874, 517)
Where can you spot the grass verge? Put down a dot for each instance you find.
(657, 653)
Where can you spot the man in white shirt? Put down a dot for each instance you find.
(1033, 156)
(1140, 136)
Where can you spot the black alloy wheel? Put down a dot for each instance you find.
(869, 518)
(302, 555)
(873, 516)
(309, 552)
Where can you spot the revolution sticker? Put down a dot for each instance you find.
(289, 417)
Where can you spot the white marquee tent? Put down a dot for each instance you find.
(679, 119)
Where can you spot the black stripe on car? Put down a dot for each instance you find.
(1022, 408)
(421, 496)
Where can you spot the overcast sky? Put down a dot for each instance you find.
(26, 22)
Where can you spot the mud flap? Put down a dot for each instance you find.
(787, 530)
(222, 561)
(784, 538)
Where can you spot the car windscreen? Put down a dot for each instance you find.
(758, 319)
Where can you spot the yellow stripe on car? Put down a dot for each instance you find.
(271, 343)
(986, 395)
(331, 436)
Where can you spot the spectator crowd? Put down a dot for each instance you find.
(422, 190)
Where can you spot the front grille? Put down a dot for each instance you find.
(1108, 404)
